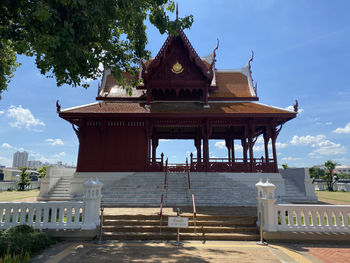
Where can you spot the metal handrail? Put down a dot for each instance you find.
(188, 175)
(194, 213)
(161, 213)
(165, 173)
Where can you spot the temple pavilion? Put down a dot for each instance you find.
(181, 96)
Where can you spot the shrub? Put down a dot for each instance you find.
(23, 240)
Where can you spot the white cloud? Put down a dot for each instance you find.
(290, 158)
(5, 161)
(329, 123)
(59, 155)
(55, 142)
(346, 129)
(164, 140)
(291, 108)
(321, 143)
(22, 117)
(261, 147)
(2, 112)
(220, 144)
(6, 145)
(280, 145)
(308, 140)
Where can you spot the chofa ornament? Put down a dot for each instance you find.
(177, 68)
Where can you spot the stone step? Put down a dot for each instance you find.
(190, 229)
(183, 236)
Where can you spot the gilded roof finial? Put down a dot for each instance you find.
(177, 11)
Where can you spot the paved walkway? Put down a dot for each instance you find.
(191, 252)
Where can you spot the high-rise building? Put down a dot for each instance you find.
(20, 159)
(34, 164)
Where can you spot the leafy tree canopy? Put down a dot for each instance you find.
(71, 39)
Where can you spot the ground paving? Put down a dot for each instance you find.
(192, 252)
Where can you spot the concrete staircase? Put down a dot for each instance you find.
(134, 190)
(292, 192)
(61, 190)
(177, 193)
(215, 189)
(208, 227)
(145, 190)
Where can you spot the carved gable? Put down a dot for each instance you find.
(177, 69)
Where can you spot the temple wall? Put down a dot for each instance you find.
(112, 149)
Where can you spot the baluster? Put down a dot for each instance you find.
(7, 216)
(314, 218)
(38, 215)
(23, 215)
(46, 217)
(297, 215)
(329, 218)
(30, 215)
(54, 215)
(283, 220)
(61, 215)
(290, 218)
(69, 215)
(15, 216)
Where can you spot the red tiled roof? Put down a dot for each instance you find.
(231, 84)
(234, 108)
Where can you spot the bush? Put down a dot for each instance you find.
(23, 240)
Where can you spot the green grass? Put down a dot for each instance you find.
(7, 196)
(334, 196)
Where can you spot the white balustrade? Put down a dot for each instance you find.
(56, 215)
(299, 217)
(312, 218)
(42, 215)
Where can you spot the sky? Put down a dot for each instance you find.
(302, 51)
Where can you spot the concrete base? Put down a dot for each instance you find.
(72, 234)
(310, 237)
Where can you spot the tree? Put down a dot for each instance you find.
(71, 39)
(316, 173)
(330, 177)
(285, 166)
(24, 180)
(42, 172)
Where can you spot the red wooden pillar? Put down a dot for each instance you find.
(228, 143)
(273, 139)
(197, 144)
(251, 133)
(206, 135)
(233, 151)
(245, 148)
(266, 145)
(154, 149)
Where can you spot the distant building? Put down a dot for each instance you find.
(342, 169)
(35, 164)
(20, 159)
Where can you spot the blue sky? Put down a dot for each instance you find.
(302, 51)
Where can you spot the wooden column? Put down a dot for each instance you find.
(245, 148)
(251, 131)
(206, 135)
(273, 140)
(233, 151)
(228, 143)
(198, 144)
(155, 142)
(266, 145)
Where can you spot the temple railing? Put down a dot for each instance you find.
(232, 165)
(155, 164)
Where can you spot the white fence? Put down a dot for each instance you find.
(42, 215)
(56, 215)
(4, 186)
(321, 186)
(314, 218)
(297, 217)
